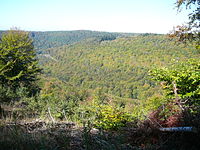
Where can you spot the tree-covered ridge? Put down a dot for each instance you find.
(51, 39)
(119, 67)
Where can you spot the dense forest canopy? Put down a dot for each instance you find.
(119, 67)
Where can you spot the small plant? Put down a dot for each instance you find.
(109, 117)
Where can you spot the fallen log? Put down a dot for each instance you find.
(180, 129)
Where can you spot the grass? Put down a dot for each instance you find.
(40, 135)
(36, 135)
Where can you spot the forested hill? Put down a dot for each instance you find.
(118, 67)
(116, 63)
(51, 39)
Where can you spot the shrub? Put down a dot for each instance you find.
(109, 117)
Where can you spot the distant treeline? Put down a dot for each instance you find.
(51, 39)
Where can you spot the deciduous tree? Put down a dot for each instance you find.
(18, 63)
(189, 32)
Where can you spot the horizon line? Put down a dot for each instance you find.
(83, 30)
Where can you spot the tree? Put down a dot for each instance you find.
(189, 32)
(194, 16)
(185, 77)
(182, 83)
(18, 63)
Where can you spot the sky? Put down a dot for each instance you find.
(136, 16)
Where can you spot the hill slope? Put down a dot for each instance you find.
(118, 67)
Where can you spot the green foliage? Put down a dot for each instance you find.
(110, 117)
(18, 63)
(8, 95)
(181, 82)
(186, 76)
(57, 99)
(66, 103)
(146, 107)
(189, 33)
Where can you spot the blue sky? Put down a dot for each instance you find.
(141, 16)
